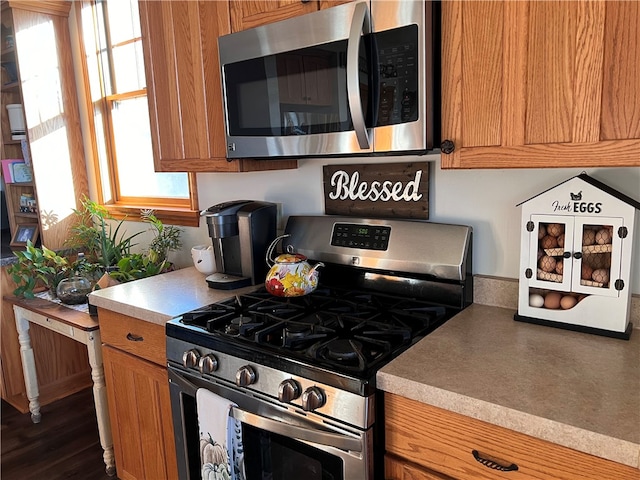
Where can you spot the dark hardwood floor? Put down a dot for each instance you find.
(64, 445)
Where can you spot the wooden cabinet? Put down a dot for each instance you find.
(186, 110)
(134, 354)
(540, 84)
(252, 14)
(47, 90)
(398, 469)
(429, 439)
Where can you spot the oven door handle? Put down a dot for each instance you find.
(274, 426)
(295, 432)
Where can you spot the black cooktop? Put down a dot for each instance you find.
(351, 332)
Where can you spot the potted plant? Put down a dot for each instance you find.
(38, 267)
(102, 242)
(166, 238)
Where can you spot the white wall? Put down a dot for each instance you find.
(483, 199)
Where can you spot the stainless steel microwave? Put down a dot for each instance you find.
(354, 79)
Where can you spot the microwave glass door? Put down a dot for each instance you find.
(299, 92)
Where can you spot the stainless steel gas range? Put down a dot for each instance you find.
(301, 371)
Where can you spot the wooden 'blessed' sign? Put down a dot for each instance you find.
(388, 190)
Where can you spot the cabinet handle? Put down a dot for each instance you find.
(447, 146)
(134, 338)
(494, 463)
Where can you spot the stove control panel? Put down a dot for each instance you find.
(368, 237)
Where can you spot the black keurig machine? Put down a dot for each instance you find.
(241, 232)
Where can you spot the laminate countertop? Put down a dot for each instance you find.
(573, 389)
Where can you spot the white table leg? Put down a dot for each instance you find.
(28, 367)
(100, 398)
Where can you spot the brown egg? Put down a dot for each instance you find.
(547, 263)
(601, 275)
(559, 267)
(588, 237)
(555, 229)
(552, 300)
(567, 302)
(603, 236)
(542, 231)
(548, 242)
(586, 271)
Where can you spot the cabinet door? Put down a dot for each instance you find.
(551, 251)
(597, 255)
(246, 15)
(182, 66)
(575, 254)
(540, 84)
(397, 469)
(140, 411)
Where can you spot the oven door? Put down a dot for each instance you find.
(279, 443)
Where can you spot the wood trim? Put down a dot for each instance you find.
(49, 7)
(170, 216)
(588, 71)
(610, 153)
(452, 80)
(516, 19)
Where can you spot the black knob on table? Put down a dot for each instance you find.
(190, 358)
(245, 376)
(312, 399)
(447, 146)
(208, 363)
(289, 390)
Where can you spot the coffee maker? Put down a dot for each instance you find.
(241, 232)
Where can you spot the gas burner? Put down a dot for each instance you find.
(243, 326)
(343, 350)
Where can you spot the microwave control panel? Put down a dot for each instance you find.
(368, 237)
(397, 52)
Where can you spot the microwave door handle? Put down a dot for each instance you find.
(359, 23)
(296, 432)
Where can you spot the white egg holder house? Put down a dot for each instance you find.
(576, 254)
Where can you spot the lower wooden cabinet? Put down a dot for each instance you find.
(425, 442)
(138, 395)
(399, 469)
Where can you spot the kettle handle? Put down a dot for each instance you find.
(268, 256)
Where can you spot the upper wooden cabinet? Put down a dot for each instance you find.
(180, 46)
(541, 84)
(246, 15)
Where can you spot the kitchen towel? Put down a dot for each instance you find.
(221, 451)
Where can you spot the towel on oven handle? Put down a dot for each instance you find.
(221, 450)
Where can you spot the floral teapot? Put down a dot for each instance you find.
(290, 274)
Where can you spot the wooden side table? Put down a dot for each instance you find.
(80, 327)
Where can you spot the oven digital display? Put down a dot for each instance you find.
(368, 237)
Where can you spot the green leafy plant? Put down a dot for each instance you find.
(136, 266)
(166, 237)
(103, 242)
(37, 265)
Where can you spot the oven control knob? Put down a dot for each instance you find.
(312, 399)
(245, 376)
(190, 358)
(289, 390)
(208, 363)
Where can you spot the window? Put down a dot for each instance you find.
(122, 144)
